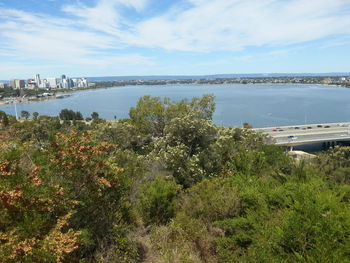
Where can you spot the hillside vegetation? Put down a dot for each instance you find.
(165, 185)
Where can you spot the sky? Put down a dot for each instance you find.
(172, 37)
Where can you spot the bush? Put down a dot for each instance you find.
(211, 200)
(34, 216)
(157, 201)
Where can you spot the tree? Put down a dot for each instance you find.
(25, 114)
(148, 115)
(186, 138)
(95, 115)
(79, 116)
(4, 119)
(35, 115)
(246, 125)
(70, 115)
(204, 106)
(151, 114)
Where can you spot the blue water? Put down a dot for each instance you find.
(261, 105)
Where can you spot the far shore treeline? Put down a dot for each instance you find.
(165, 185)
(109, 82)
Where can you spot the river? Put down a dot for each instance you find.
(261, 105)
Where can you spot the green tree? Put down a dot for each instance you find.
(4, 119)
(186, 138)
(95, 115)
(151, 114)
(66, 114)
(35, 115)
(148, 116)
(79, 116)
(204, 106)
(25, 114)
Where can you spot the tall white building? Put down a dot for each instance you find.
(44, 84)
(52, 82)
(37, 80)
(3, 85)
(82, 83)
(17, 83)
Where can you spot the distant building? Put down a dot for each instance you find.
(67, 83)
(37, 80)
(17, 83)
(12, 83)
(327, 81)
(31, 84)
(20, 83)
(75, 83)
(3, 85)
(64, 83)
(82, 83)
(52, 83)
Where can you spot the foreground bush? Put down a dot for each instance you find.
(157, 201)
(35, 216)
(166, 185)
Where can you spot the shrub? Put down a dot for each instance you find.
(211, 200)
(157, 201)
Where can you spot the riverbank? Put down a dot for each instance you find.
(26, 100)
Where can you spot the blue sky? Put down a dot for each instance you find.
(172, 37)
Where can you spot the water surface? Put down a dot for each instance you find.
(261, 105)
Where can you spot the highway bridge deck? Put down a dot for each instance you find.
(307, 134)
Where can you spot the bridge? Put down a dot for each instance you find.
(330, 134)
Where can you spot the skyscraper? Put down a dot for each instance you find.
(53, 82)
(17, 83)
(37, 80)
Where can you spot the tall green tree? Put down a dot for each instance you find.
(67, 114)
(25, 114)
(95, 115)
(35, 115)
(151, 114)
(4, 119)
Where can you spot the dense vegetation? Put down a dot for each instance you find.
(165, 185)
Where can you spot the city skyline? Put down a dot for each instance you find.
(184, 37)
(62, 82)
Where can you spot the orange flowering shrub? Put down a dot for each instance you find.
(34, 218)
(83, 162)
(83, 167)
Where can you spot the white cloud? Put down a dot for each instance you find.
(105, 15)
(44, 39)
(336, 43)
(98, 34)
(235, 24)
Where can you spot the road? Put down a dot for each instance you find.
(310, 133)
